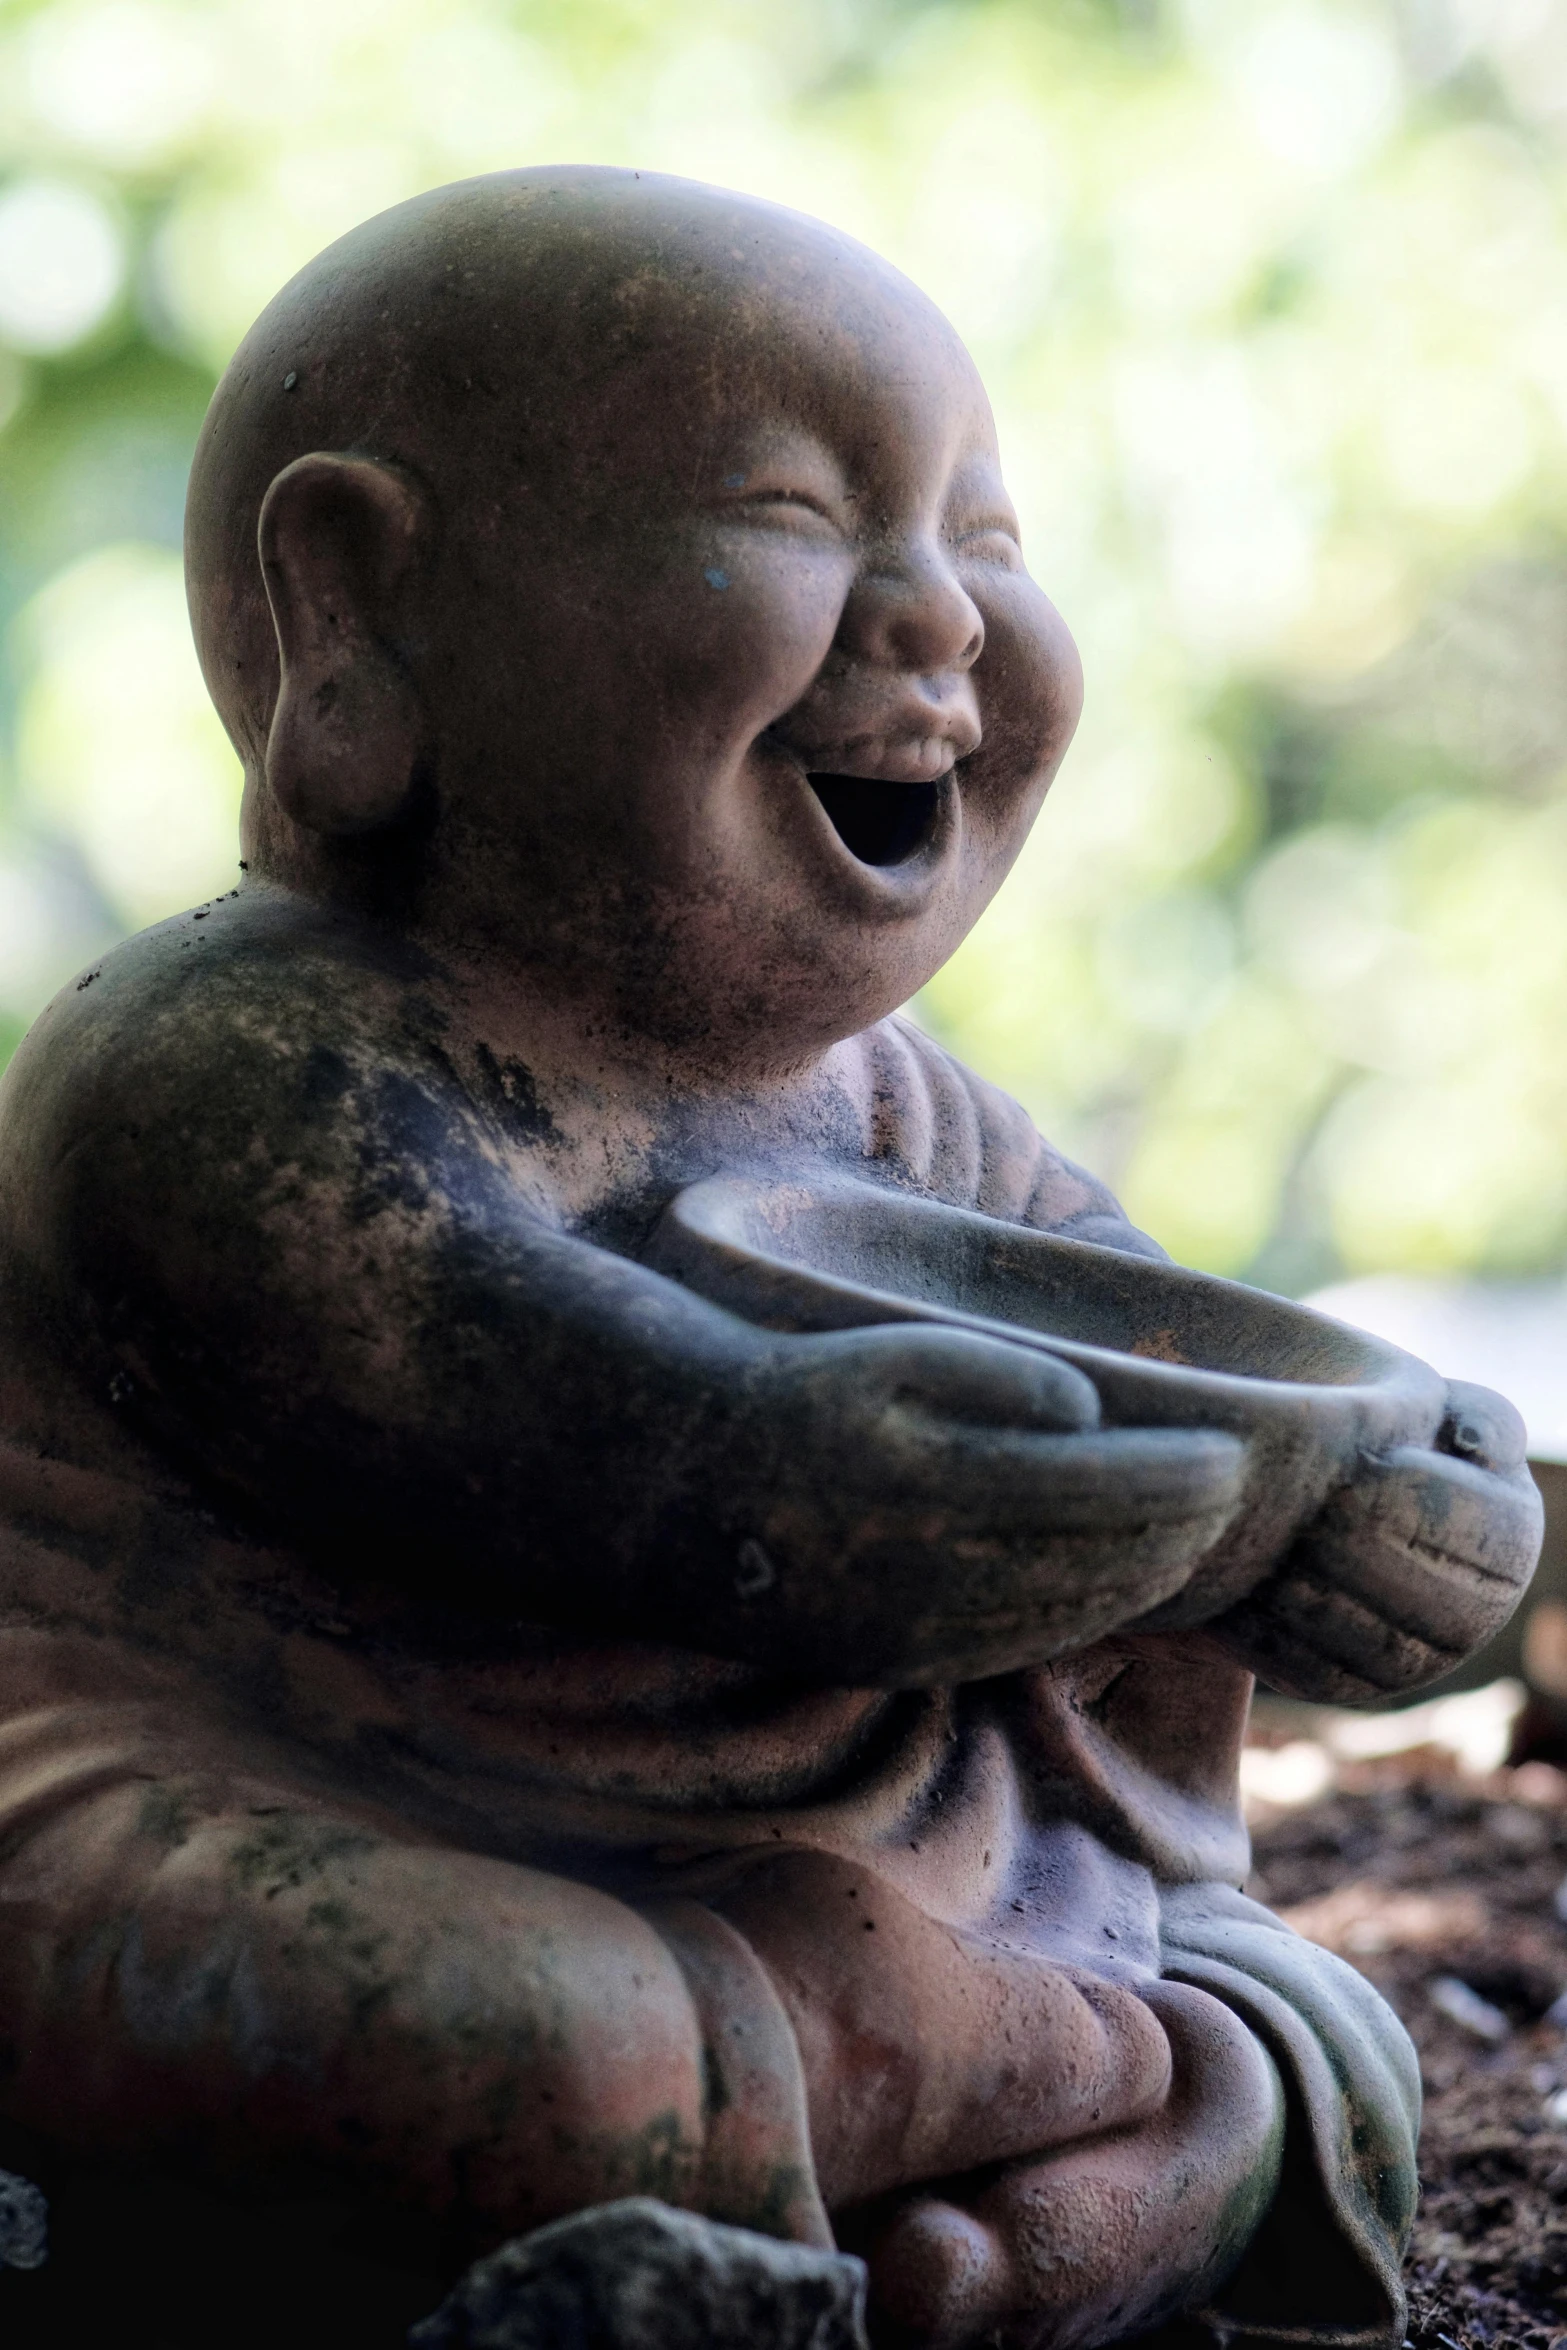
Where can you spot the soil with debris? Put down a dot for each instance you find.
(1442, 1890)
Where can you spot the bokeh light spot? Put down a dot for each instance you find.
(118, 745)
(61, 264)
(126, 80)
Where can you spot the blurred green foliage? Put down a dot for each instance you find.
(1272, 297)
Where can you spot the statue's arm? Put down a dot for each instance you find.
(285, 1245)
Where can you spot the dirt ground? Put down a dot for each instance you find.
(1435, 1886)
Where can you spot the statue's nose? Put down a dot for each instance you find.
(908, 610)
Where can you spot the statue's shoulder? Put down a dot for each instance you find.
(258, 962)
(952, 1134)
(250, 1016)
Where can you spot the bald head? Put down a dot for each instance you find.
(512, 322)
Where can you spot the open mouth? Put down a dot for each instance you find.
(880, 823)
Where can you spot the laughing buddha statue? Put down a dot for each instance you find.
(616, 1581)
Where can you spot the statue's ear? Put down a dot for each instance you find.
(350, 731)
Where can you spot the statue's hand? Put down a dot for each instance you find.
(1404, 1572)
(911, 1505)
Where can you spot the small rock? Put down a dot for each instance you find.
(24, 2223)
(639, 2275)
(1467, 2009)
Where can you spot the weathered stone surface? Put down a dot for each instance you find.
(638, 2275)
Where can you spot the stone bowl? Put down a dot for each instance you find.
(1309, 1397)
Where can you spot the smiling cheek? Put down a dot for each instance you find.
(1030, 685)
(743, 631)
(1040, 688)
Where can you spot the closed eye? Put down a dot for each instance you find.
(801, 500)
(991, 542)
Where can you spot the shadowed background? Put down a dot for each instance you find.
(1272, 297)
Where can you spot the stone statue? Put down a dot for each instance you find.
(617, 1583)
